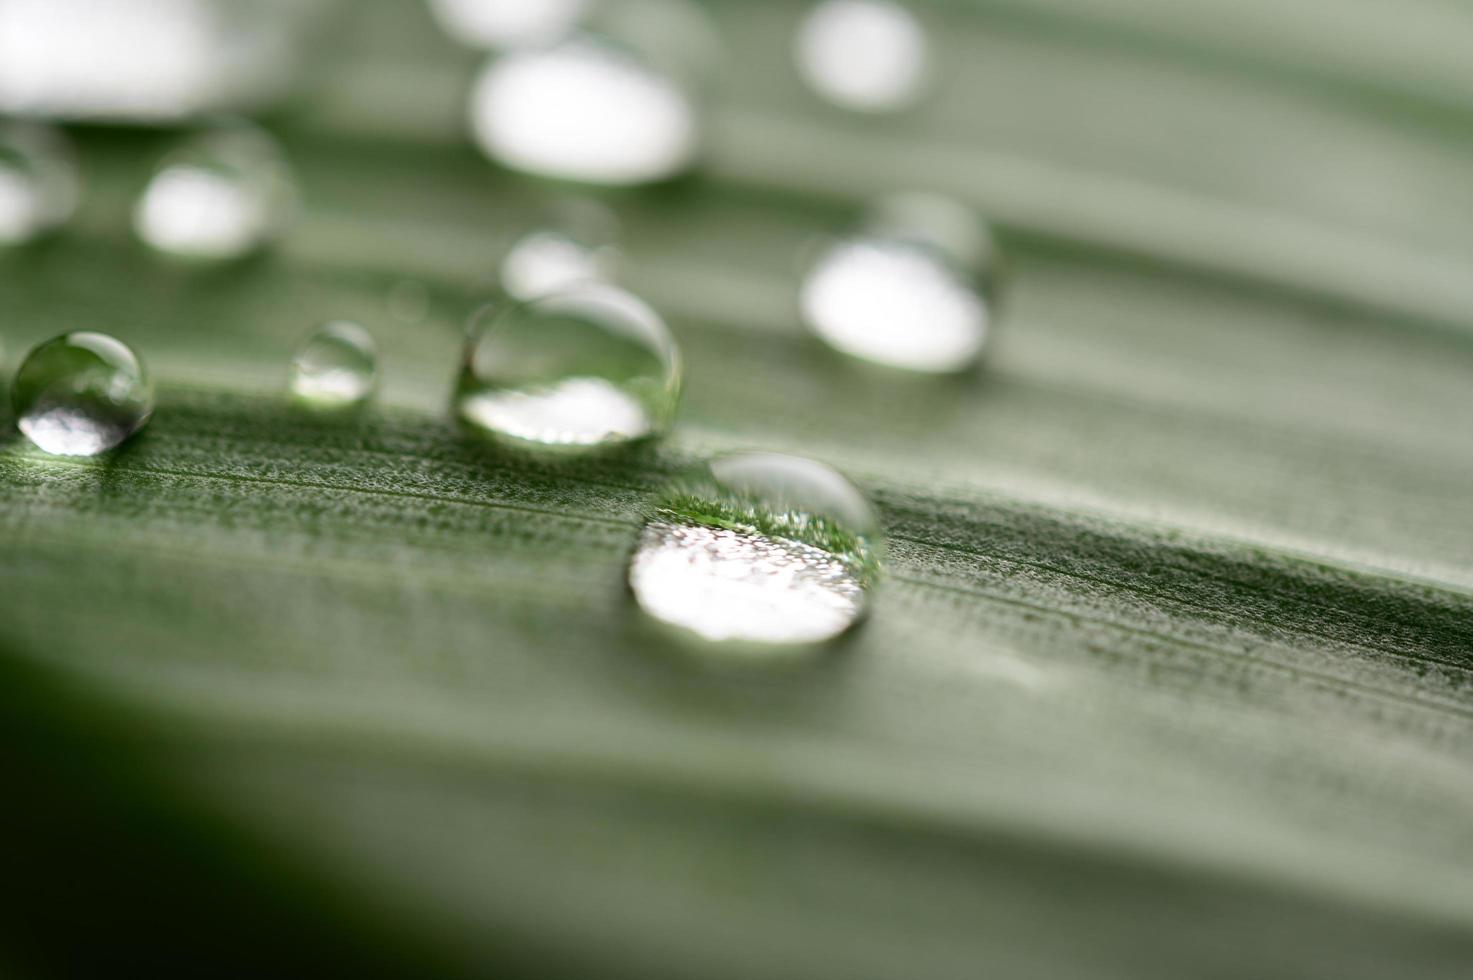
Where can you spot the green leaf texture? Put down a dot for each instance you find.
(1168, 674)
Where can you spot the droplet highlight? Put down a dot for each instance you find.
(507, 23)
(81, 394)
(759, 551)
(863, 55)
(577, 245)
(589, 366)
(909, 288)
(584, 109)
(336, 366)
(222, 195)
(144, 60)
(38, 181)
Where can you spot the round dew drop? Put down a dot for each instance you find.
(577, 244)
(760, 553)
(336, 366)
(81, 394)
(908, 288)
(863, 55)
(586, 367)
(38, 181)
(221, 195)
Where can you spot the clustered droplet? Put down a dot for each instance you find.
(756, 553)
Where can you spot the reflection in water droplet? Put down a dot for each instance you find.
(905, 289)
(507, 23)
(38, 180)
(585, 110)
(147, 60)
(590, 365)
(336, 367)
(81, 394)
(221, 195)
(865, 55)
(760, 549)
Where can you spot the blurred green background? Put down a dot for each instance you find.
(1169, 672)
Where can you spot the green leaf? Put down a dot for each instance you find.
(1168, 669)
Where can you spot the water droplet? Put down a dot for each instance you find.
(613, 103)
(864, 55)
(577, 245)
(221, 195)
(145, 60)
(38, 180)
(907, 288)
(760, 549)
(507, 23)
(336, 367)
(588, 366)
(81, 394)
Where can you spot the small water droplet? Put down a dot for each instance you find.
(864, 55)
(507, 23)
(221, 195)
(577, 245)
(759, 549)
(588, 366)
(38, 180)
(143, 60)
(907, 288)
(613, 103)
(336, 366)
(81, 394)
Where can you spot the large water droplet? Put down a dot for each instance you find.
(576, 246)
(221, 195)
(507, 23)
(907, 288)
(38, 180)
(584, 109)
(81, 394)
(760, 549)
(865, 55)
(588, 366)
(148, 60)
(336, 366)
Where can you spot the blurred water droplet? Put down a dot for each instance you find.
(601, 106)
(38, 180)
(507, 23)
(221, 195)
(588, 366)
(759, 549)
(81, 394)
(907, 288)
(336, 366)
(146, 60)
(577, 245)
(865, 55)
